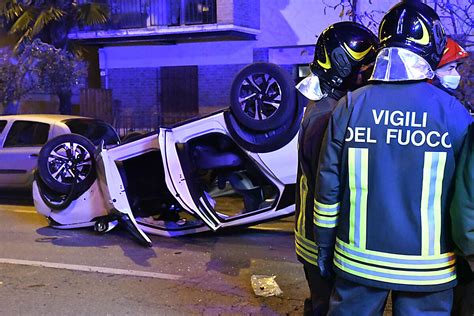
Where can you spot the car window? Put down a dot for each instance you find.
(24, 133)
(94, 130)
(2, 125)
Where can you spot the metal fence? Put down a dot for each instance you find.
(126, 122)
(125, 14)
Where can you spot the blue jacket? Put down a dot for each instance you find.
(384, 186)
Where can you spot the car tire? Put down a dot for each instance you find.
(55, 201)
(65, 161)
(262, 97)
(264, 142)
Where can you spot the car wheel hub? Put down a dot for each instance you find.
(260, 96)
(69, 163)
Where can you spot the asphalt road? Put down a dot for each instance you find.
(45, 271)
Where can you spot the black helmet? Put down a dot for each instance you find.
(341, 50)
(416, 27)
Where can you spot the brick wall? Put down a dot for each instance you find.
(135, 92)
(260, 54)
(239, 12)
(214, 85)
(247, 13)
(137, 97)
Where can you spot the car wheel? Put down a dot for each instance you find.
(55, 201)
(65, 161)
(266, 141)
(101, 226)
(262, 96)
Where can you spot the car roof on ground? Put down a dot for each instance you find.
(43, 118)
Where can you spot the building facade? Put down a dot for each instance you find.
(176, 58)
(171, 59)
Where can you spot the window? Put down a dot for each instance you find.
(94, 130)
(2, 126)
(24, 133)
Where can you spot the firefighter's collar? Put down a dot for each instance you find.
(399, 64)
(310, 87)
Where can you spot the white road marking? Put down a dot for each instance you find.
(75, 267)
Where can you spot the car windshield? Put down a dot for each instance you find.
(94, 130)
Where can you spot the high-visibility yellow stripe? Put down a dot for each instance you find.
(358, 183)
(303, 195)
(325, 211)
(330, 206)
(393, 255)
(451, 275)
(332, 224)
(413, 263)
(309, 244)
(432, 189)
(306, 248)
(420, 273)
(364, 170)
(307, 256)
(352, 188)
(424, 203)
(437, 204)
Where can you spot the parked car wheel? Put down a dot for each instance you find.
(66, 160)
(262, 97)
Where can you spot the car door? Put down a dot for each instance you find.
(175, 175)
(115, 196)
(21, 144)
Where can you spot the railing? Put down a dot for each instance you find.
(126, 14)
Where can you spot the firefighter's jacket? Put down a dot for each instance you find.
(462, 207)
(384, 186)
(310, 137)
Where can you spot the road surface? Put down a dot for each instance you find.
(45, 271)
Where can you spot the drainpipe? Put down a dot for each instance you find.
(104, 69)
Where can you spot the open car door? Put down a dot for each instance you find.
(216, 180)
(176, 178)
(114, 195)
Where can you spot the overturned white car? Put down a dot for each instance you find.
(236, 167)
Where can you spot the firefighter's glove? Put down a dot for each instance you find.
(325, 255)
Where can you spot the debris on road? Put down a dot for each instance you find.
(264, 285)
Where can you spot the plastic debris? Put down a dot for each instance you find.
(265, 285)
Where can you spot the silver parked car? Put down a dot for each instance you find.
(22, 137)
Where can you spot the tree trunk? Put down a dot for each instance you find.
(354, 11)
(65, 104)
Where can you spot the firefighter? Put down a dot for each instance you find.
(385, 174)
(340, 53)
(462, 211)
(462, 214)
(447, 75)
